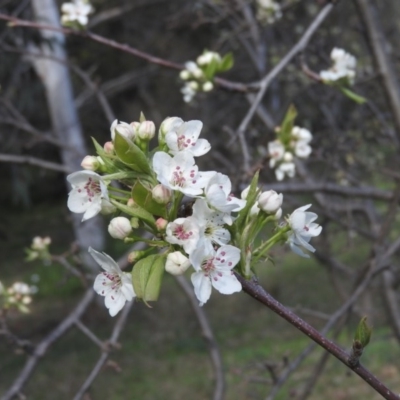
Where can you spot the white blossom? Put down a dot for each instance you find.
(185, 137)
(188, 92)
(124, 129)
(119, 227)
(88, 191)
(268, 11)
(276, 151)
(185, 232)
(76, 11)
(270, 201)
(302, 149)
(211, 225)
(219, 196)
(214, 269)
(344, 67)
(115, 285)
(285, 168)
(180, 173)
(303, 229)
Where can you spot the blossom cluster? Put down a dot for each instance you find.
(198, 76)
(39, 249)
(216, 238)
(76, 14)
(268, 11)
(343, 69)
(18, 295)
(282, 153)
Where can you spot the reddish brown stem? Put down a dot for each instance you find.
(258, 292)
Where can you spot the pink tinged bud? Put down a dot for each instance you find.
(135, 125)
(119, 227)
(270, 201)
(135, 256)
(131, 203)
(109, 147)
(90, 163)
(146, 130)
(161, 194)
(161, 224)
(177, 263)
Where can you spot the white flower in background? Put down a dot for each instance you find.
(268, 11)
(276, 151)
(19, 295)
(207, 57)
(303, 229)
(344, 67)
(270, 201)
(176, 263)
(185, 232)
(211, 225)
(88, 191)
(115, 285)
(286, 168)
(180, 173)
(191, 70)
(207, 86)
(76, 11)
(119, 228)
(302, 134)
(124, 129)
(302, 149)
(189, 90)
(218, 195)
(39, 243)
(214, 269)
(185, 137)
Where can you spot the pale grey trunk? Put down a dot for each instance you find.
(56, 80)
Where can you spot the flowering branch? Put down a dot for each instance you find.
(255, 290)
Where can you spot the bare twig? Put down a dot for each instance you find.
(34, 161)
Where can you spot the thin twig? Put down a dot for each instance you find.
(11, 158)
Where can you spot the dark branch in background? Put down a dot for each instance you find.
(223, 83)
(37, 162)
(257, 292)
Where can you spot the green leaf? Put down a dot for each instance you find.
(353, 96)
(210, 70)
(143, 197)
(287, 124)
(130, 154)
(108, 162)
(142, 118)
(226, 63)
(147, 277)
(250, 200)
(136, 211)
(363, 333)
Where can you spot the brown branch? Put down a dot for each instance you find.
(208, 336)
(258, 293)
(11, 158)
(223, 83)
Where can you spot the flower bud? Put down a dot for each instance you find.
(168, 125)
(135, 256)
(208, 86)
(135, 126)
(288, 157)
(131, 203)
(184, 75)
(146, 130)
(176, 263)
(123, 129)
(278, 214)
(90, 163)
(194, 85)
(161, 194)
(109, 147)
(161, 224)
(270, 201)
(119, 227)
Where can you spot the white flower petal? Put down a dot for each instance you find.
(202, 287)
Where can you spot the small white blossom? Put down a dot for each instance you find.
(285, 168)
(301, 134)
(207, 57)
(185, 137)
(176, 263)
(214, 269)
(185, 232)
(211, 225)
(303, 229)
(188, 92)
(268, 11)
(76, 11)
(115, 285)
(180, 173)
(88, 191)
(344, 67)
(218, 195)
(276, 151)
(124, 129)
(302, 149)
